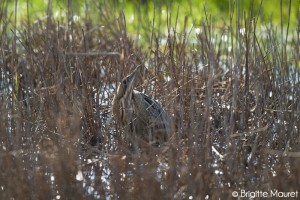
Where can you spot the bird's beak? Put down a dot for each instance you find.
(136, 71)
(133, 76)
(130, 79)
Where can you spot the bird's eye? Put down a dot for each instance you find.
(124, 83)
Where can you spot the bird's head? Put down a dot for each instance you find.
(123, 95)
(126, 85)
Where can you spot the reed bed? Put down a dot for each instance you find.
(232, 92)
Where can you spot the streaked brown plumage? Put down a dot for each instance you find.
(140, 114)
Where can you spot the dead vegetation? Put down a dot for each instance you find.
(234, 103)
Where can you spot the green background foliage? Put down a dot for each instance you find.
(142, 11)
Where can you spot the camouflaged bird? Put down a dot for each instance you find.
(139, 114)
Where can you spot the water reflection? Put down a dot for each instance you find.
(110, 175)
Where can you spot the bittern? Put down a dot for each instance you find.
(140, 114)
